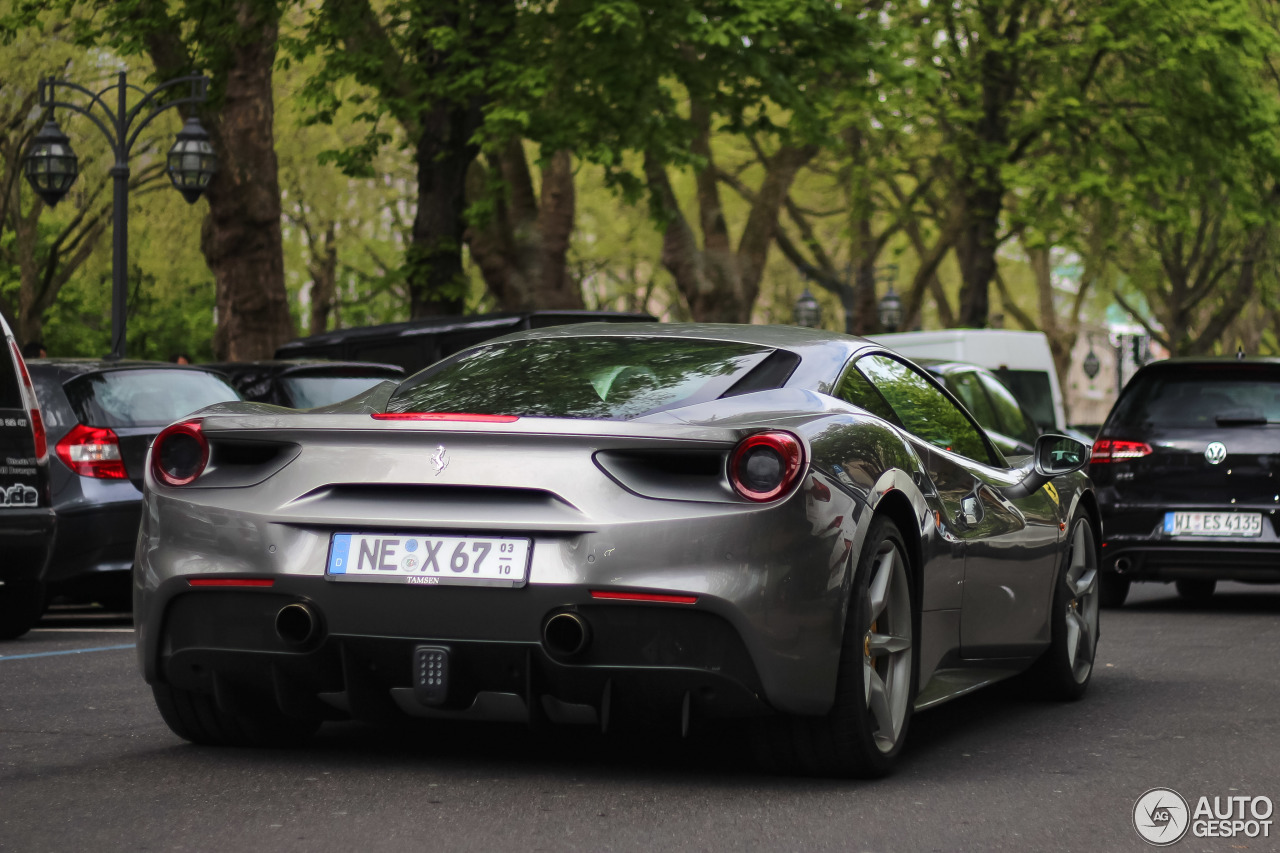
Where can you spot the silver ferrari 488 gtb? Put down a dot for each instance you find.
(605, 524)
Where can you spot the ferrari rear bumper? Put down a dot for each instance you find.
(649, 662)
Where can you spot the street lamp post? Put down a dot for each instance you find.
(807, 312)
(889, 309)
(51, 165)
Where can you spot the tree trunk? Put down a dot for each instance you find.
(445, 152)
(976, 251)
(241, 237)
(522, 250)
(323, 267)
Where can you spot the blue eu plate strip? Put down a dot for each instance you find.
(1168, 522)
(338, 553)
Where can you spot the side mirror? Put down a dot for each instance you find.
(1054, 455)
(1058, 454)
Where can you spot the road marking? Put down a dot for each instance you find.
(70, 652)
(83, 630)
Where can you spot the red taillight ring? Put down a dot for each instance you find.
(785, 445)
(188, 428)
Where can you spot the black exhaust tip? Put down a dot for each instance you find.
(1123, 564)
(295, 624)
(566, 634)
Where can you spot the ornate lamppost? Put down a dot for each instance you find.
(807, 311)
(889, 309)
(51, 165)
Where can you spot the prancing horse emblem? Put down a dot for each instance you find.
(438, 461)
(1215, 452)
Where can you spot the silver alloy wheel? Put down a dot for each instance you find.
(1082, 606)
(886, 659)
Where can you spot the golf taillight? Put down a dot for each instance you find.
(92, 452)
(1116, 450)
(766, 465)
(179, 454)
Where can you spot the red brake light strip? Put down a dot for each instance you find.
(608, 595)
(444, 416)
(231, 581)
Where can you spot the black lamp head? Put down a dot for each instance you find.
(191, 162)
(50, 165)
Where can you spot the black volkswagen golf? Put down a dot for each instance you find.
(1187, 467)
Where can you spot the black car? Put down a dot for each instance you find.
(302, 383)
(101, 417)
(992, 404)
(26, 513)
(416, 343)
(1187, 467)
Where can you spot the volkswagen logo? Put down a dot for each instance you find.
(1215, 452)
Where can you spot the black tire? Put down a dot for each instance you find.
(196, 717)
(21, 605)
(1063, 672)
(1196, 590)
(847, 741)
(1112, 590)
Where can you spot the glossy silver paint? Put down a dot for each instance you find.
(984, 566)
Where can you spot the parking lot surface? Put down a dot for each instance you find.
(1184, 696)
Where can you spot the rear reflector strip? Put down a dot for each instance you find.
(444, 416)
(643, 596)
(231, 581)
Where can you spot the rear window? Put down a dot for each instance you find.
(606, 378)
(1192, 397)
(307, 392)
(129, 398)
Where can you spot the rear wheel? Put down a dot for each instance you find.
(21, 605)
(863, 733)
(1112, 589)
(1196, 590)
(196, 717)
(1066, 667)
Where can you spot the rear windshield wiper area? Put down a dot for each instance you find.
(1244, 419)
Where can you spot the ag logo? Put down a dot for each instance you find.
(1161, 817)
(1215, 452)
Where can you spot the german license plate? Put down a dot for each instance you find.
(1243, 524)
(428, 559)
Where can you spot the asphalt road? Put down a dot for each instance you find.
(1184, 696)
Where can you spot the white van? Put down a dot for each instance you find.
(1021, 360)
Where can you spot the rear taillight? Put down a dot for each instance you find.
(92, 452)
(1115, 450)
(32, 406)
(766, 465)
(179, 454)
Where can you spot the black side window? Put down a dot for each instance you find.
(967, 389)
(1016, 423)
(855, 388)
(924, 410)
